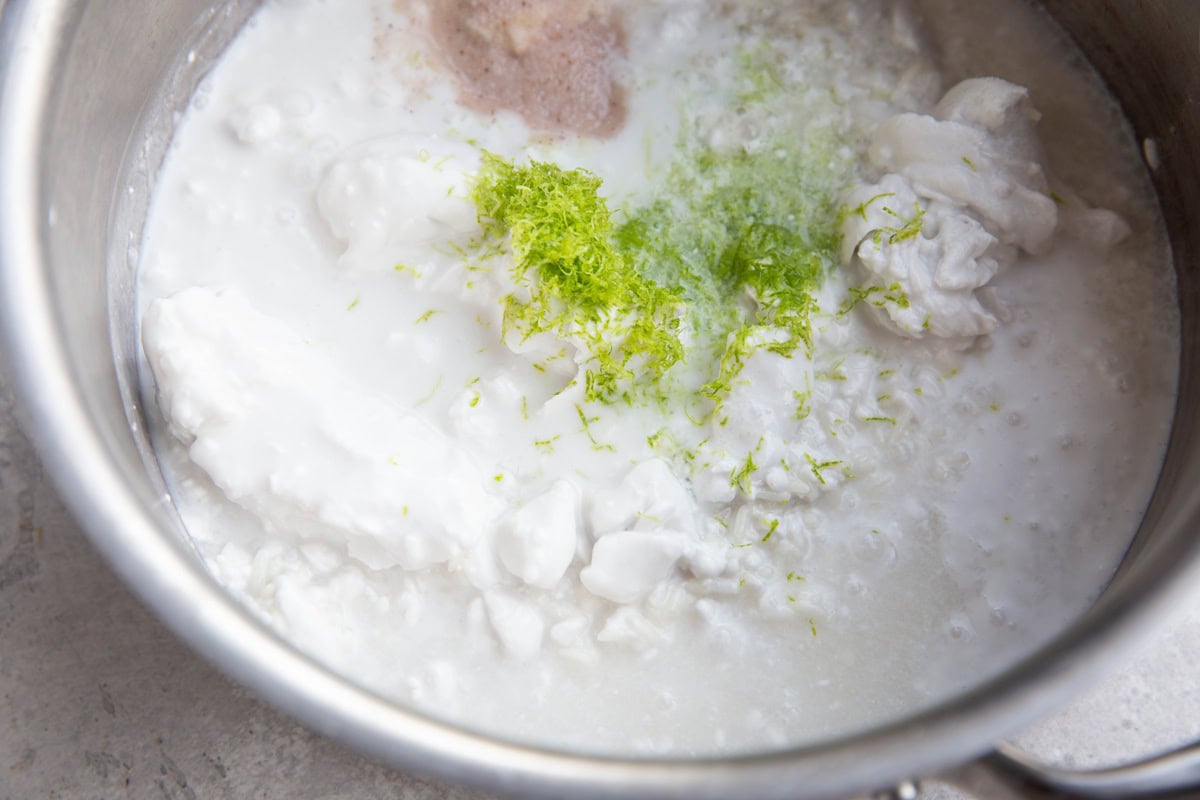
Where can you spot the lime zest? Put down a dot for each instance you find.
(739, 478)
(818, 466)
(909, 228)
(429, 395)
(586, 422)
(546, 445)
(579, 283)
(803, 404)
(727, 257)
(760, 74)
(893, 293)
(861, 209)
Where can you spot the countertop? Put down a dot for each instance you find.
(99, 700)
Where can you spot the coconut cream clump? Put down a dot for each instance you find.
(223, 400)
(963, 196)
(536, 364)
(357, 199)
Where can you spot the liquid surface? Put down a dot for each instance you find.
(850, 392)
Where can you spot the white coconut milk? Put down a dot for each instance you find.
(851, 530)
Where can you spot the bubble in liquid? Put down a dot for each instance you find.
(960, 628)
(874, 549)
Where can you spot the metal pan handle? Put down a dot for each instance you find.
(1170, 772)
(1011, 774)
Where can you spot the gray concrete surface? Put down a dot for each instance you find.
(99, 701)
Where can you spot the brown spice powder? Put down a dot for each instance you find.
(551, 61)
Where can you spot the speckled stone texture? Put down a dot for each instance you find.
(98, 699)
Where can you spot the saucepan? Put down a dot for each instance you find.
(83, 126)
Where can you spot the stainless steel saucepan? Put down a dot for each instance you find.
(84, 122)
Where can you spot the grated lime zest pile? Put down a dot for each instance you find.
(560, 231)
(749, 237)
(673, 296)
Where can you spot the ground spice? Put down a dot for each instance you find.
(550, 61)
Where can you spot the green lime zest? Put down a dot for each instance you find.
(878, 296)
(429, 395)
(579, 283)
(749, 238)
(586, 422)
(817, 467)
(909, 228)
(731, 251)
(803, 404)
(546, 445)
(759, 74)
(739, 478)
(860, 210)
